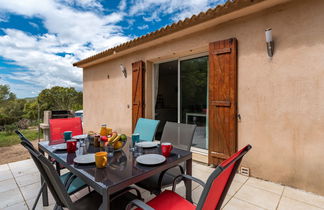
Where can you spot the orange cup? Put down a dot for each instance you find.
(101, 159)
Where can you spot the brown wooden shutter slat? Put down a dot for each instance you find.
(138, 88)
(222, 99)
(220, 103)
(222, 51)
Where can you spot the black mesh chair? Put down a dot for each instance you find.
(59, 190)
(75, 183)
(181, 136)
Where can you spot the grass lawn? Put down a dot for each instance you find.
(12, 139)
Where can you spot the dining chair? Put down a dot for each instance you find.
(76, 184)
(181, 136)
(59, 126)
(60, 193)
(57, 129)
(146, 128)
(212, 196)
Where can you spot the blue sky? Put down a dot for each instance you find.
(40, 39)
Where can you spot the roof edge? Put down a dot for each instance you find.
(219, 10)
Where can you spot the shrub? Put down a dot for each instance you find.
(5, 120)
(10, 129)
(33, 123)
(23, 123)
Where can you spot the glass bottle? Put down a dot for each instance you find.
(103, 130)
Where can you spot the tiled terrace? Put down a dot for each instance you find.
(20, 182)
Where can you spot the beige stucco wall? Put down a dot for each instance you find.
(281, 100)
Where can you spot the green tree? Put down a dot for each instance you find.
(15, 108)
(9, 106)
(5, 94)
(31, 110)
(60, 98)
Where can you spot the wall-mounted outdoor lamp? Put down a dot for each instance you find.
(270, 43)
(123, 70)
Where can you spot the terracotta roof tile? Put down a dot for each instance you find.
(219, 10)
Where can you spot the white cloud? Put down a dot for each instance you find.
(85, 4)
(76, 29)
(178, 8)
(44, 68)
(71, 27)
(143, 27)
(75, 33)
(3, 17)
(20, 89)
(154, 17)
(33, 24)
(122, 5)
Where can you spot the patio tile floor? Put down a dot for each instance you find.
(20, 182)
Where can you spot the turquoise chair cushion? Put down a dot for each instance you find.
(146, 128)
(76, 185)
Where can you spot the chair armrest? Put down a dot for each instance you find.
(185, 176)
(163, 172)
(139, 204)
(69, 181)
(127, 189)
(68, 178)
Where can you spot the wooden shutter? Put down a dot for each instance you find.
(138, 87)
(222, 100)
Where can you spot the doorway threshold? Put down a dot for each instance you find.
(199, 155)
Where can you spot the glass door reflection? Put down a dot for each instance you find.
(193, 97)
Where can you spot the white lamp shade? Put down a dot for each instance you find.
(268, 34)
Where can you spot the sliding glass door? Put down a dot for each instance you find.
(166, 94)
(181, 95)
(193, 97)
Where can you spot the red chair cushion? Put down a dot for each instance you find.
(58, 126)
(169, 200)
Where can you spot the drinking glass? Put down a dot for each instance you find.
(82, 142)
(67, 135)
(135, 139)
(86, 145)
(138, 150)
(110, 150)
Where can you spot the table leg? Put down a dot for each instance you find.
(188, 182)
(58, 168)
(105, 205)
(44, 191)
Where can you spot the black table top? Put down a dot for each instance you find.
(122, 169)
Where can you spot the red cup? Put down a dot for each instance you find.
(166, 149)
(71, 146)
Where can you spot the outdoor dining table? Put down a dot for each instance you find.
(122, 169)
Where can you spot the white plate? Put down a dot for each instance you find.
(85, 159)
(83, 136)
(147, 144)
(150, 159)
(59, 146)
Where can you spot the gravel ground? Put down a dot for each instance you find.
(14, 153)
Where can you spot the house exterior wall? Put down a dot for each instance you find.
(280, 100)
